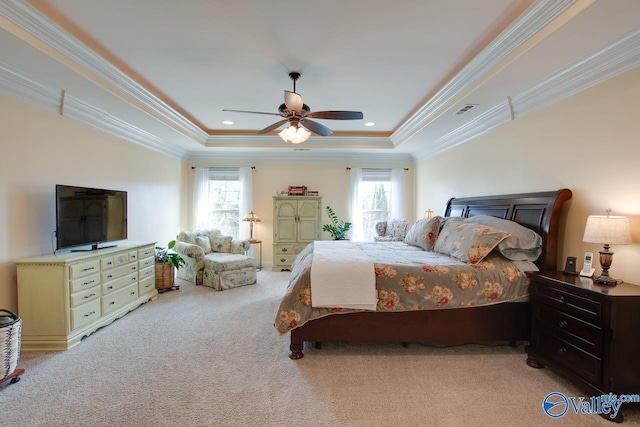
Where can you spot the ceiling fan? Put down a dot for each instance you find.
(297, 114)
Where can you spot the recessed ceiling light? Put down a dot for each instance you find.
(227, 122)
(369, 124)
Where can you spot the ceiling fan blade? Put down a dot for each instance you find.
(293, 101)
(272, 127)
(336, 115)
(316, 127)
(253, 112)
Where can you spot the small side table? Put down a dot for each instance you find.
(259, 243)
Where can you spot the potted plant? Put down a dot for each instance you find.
(338, 229)
(167, 262)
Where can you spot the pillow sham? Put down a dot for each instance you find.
(523, 244)
(468, 242)
(424, 233)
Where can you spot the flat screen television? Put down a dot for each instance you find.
(89, 216)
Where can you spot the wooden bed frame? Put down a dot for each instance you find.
(540, 212)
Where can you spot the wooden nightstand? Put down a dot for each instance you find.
(586, 332)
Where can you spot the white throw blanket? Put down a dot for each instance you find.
(342, 275)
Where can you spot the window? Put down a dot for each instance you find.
(377, 195)
(221, 196)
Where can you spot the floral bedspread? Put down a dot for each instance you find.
(409, 278)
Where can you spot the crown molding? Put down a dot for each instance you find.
(530, 23)
(46, 31)
(78, 110)
(618, 57)
(298, 155)
(17, 86)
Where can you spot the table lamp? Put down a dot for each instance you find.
(428, 214)
(251, 217)
(608, 230)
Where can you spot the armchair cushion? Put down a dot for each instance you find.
(221, 243)
(204, 243)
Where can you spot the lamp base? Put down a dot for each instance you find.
(606, 280)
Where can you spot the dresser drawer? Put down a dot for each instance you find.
(580, 333)
(85, 296)
(146, 285)
(584, 308)
(146, 262)
(107, 263)
(84, 283)
(84, 269)
(119, 272)
(146, 252)
(85, 314)
(121, 282)
(147, 272)
(115, 300)
(575, 359)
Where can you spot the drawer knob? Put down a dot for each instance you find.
(282, 260)
(562, 350)
(112, 302)
(563, 324)
(91, 313)
(284, 249)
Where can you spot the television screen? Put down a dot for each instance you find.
(89, 216)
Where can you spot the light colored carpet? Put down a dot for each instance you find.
(200, 357)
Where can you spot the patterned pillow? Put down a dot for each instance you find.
(221, 243)
(468, 242)
(423, 234)
(204, 243)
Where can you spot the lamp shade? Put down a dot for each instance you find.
(294, 134)
(251, 217)
(612, 230)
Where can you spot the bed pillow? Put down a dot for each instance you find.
(468, 242)
(523, 244)
(424, 233)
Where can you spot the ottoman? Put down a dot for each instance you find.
(225, 271)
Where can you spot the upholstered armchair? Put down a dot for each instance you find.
(393, 230)
(215, 260)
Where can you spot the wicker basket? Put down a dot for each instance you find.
(165, 275)
(10, 328)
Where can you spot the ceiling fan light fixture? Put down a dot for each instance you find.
(294, 134)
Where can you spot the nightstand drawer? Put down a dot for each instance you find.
(575, 359)
(580, 333)
(581, 307)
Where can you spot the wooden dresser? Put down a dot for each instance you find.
(586, 332)
(66, 296)
(296, 223)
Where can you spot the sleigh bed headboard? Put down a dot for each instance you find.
(540, 212)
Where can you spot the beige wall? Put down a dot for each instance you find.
(589, 143)
(41, 149)
(330, 179)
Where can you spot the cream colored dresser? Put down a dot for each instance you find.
(66, 296)
(296, 223)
